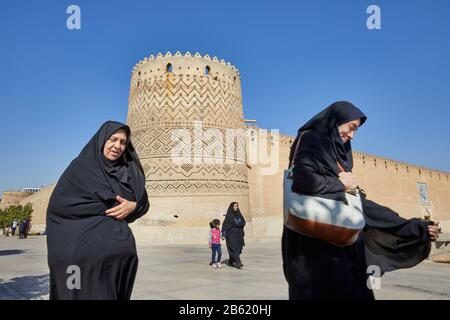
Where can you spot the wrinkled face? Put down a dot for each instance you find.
(115, 145)
(347, 130)
(235, 207)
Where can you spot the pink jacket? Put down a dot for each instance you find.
(214, 236)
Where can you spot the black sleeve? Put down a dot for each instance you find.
(141, 209)
(307, 179)
(311, 176)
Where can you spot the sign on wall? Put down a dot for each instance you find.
(423, 194)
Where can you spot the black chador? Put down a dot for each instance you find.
(91, 255)
(233, 231)
(316, 269)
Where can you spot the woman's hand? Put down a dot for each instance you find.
(434, 231)
(349, 180)
(122, 210)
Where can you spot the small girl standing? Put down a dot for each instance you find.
(214, 243)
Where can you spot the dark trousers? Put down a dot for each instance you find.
(13, 231)
(216, 252)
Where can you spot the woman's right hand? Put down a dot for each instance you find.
(434, 231)
(349, 180)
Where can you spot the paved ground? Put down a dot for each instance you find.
(182, 272)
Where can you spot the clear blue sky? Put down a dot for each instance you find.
(295, 57)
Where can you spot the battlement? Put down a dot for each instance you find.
(377, 162)
(184, 64)
(283, 139)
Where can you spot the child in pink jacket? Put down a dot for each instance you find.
(214, 243)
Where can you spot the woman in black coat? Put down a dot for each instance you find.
(316, 269)
(233, 231)
(91, 249)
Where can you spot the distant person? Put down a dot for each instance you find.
(233, 231)
(214, 243)
(22, 229)
(98, 195)
(27, 227)
(14, 226)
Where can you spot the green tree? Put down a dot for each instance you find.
(19, 213)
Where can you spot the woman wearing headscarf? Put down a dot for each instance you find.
(91, 249)
(233, 231)
(316, 269)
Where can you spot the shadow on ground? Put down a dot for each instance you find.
(11, 252)
(29, 287)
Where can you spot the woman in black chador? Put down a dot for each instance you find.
(91, 249)
(233, 231)
(316, 269)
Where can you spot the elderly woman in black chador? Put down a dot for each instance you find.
(233, 231)
(91, 249)
(316, 269)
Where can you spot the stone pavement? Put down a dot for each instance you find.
(182, 272)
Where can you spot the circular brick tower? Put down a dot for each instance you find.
(191, 106)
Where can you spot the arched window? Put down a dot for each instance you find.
(207, 70)
(169, 67)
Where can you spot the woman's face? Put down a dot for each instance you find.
(347, 130)
(235, 207)
(115, 145)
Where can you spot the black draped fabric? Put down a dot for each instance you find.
(80, 234)
(233, 231)
(316, 269)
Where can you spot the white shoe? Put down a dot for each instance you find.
(219, 265)
(215, 266)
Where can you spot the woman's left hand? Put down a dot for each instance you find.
(122, 210)
(434, 231)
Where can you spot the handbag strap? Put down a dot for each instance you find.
(340, 166)
(291, 164)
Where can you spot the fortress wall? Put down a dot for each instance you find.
(39, 201)
(266, 196)
(266, 192)
(394, 184)
(13, 198)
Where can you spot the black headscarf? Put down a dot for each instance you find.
(92, 177)
(326, 123)
(233, 218)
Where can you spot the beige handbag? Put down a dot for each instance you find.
(330, 220)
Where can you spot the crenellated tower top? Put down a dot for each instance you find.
(180, 64)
